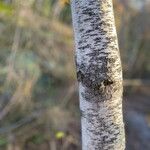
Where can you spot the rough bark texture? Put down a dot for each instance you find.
(99, 74)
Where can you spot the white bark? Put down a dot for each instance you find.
(99, 75)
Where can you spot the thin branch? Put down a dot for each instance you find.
(136, 82)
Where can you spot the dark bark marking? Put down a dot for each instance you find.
(108, 82)
(99, 90)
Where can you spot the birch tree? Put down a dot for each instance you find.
(99, 74)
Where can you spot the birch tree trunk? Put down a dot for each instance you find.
(99, 74)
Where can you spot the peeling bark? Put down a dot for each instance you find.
(99, 74)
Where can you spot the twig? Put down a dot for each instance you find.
(136, 82)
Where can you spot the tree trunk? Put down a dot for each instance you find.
(99, 74)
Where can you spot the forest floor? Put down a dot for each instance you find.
(137, 119)
(137, 125)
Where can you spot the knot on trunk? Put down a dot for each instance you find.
(95, 84)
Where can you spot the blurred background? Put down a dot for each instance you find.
(39, 107)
